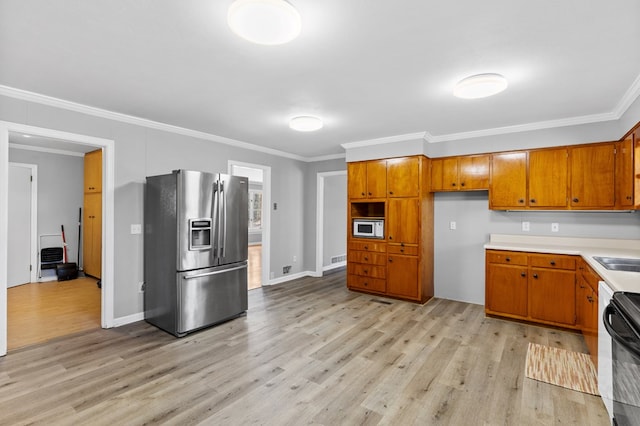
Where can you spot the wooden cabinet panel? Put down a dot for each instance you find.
(366, 283)
(377, 179)
(506, 289)
(367, 257)
(402, 277)
(364, 270)
(357, 180)
(507, 257)
(552, 261)
(624, 173)
(403, 177)
(593, 176)
(402, 249)
(473, 171)
(552, 295)
(92, 234)
(370, 245)
(548, 178)
(403, 224)
(508, 180)
(437, 174)
(93, 171)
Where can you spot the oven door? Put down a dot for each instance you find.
(626, 362)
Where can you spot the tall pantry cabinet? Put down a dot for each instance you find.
(400, 264)
(92, 214)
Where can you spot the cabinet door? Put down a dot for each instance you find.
(93, 171)
(548, 178)
(403, 177)
(583, 309)
(506, 289)
(592, 176)
(357, 180)
(450, 174)
(402, 276)
(437, 174)
(377, 179)
(403, 220)
(473, 172)
(552, 296)
(624, 173)
(508, 180)
(92, 235)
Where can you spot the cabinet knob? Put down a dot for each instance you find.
(453, 184)
(369, 193)
(521, 201)
(366, 283)
(533, 200)
(390, 192)
(508, 259)
(523, 274)
(366, 258)
(629, 197)
(366, 247)
(590, 299)
(462, 184)
(390, 237)
(390, 260)
(576, 200)
(401, 250)
(366, 271)
(362, 193)
(581, 286)
(553, 263)
(535, 276)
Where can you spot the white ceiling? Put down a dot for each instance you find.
(371, 69)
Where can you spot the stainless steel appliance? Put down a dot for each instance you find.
(368, 228)
(195, 250)
(621, 319)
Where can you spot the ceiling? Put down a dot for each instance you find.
(370, 69)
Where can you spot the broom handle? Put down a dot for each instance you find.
(64, 244)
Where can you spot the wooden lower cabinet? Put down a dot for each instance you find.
(402, 276)
(92, 234)
(534, 287)
(587, 307)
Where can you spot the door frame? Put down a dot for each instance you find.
(320, 217)
(33, 255)
(266, 215)
(108, 185)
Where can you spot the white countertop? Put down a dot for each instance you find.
(585, 247)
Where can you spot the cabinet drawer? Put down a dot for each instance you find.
(371, 258)
(402, 249)
(367, 270)
(553, 261)
(368, 246)
(507, 257)
(590, 276)
(366, 283)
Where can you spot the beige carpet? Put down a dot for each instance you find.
(572, 370)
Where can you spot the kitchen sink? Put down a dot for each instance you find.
(619, 263)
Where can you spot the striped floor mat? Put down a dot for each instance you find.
(572, 370)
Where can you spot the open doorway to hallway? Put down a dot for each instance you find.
(259, 194)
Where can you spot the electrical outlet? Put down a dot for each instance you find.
(136, 229)
(141, 287)
(555, 227)
(295, 258)
(452, 225)
(286, 269)
(526, 226)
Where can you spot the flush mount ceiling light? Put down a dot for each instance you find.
(480, 86)
(305, 123)
(267, 22)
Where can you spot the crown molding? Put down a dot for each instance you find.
(628, 98)
(381, 141)
(129, 119)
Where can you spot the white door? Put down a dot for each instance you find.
(19, 233)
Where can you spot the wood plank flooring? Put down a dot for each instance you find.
(254, 270)
(38, 312)
(307, 352)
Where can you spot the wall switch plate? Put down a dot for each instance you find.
(452, 225)
(555, 227)
(136, 228)
(526, 226)
(295, 258)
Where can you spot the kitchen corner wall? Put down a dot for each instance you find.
(143, 151)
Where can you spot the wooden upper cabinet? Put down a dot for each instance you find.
(403, 177)
(508, 180)
(93, 171)
(593, 176)
(463, 173)
(367, 179)
(624, 173)
(548, 178)
(403, 221)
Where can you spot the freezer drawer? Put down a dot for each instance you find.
(211, 295)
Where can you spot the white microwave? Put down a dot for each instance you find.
(368, 228)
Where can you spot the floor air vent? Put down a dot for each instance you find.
(338, 259)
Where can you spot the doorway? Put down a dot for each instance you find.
(259, 219)
(22, 212)
(54, 140)
(331, 228)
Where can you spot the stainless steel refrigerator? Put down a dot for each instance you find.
(195, 249)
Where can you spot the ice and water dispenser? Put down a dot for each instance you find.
(200, 234)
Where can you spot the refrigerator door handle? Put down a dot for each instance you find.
(224, 213)
(216, 212)
(224, 271)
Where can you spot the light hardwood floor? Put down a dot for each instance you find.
(38, 312)
(254, 270)
(307, 352)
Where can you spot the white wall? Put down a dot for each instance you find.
(60, 195)
(334, 218)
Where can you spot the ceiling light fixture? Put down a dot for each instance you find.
(480, 86)
(305, 123)
(268, 22)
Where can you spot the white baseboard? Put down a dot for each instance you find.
(291, 277)
(117, 322)
(334, 266)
